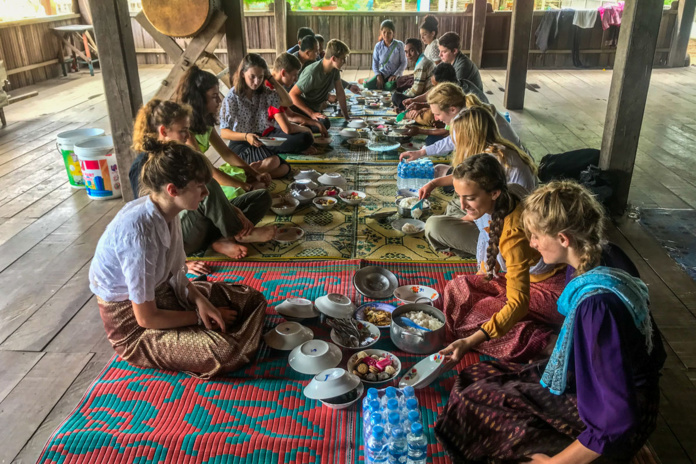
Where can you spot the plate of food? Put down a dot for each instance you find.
(412, 293)
(352, 197)
(272, 141)
(288, 234)
(374, 366)
(352, 334)
(378, 314)
(358, 142)
(409, 226)
(323, 140)
(412, 146)
(329, 191)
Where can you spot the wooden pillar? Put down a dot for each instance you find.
(518, 54)
(478, 29)
(236, 33)
(281, 26)
(682, 32)
(117, 60)
(628, 93)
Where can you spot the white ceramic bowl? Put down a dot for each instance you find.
(349, 132)
(284, 210)
(374, 105)
(308, 174)
(351, 199)
(272, 141)
(374, 333)
(307, 183)
(297, 308)
(357, 123)
(411, 293)
(335, 305)
(332, 179)
(358, 392)
(314, 356)
(304, 196)
(400, 130)
(326, 191)
(287, 336)
(330, 203)
(331, 383)
(396, 364)
(400, 223)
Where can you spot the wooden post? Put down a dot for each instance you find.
(518, 54)
(112, 28)
(281, 26)
(628, 93)
(478, 29)
(682, 30)
(235, 33)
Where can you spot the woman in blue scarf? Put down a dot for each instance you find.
(598, 394)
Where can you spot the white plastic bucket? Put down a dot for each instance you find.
(65, 142)
(99, 169)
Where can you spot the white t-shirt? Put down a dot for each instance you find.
(139, 251)
(432, 51)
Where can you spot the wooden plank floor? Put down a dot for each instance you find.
(52, 342)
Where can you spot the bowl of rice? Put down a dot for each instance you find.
(404, 205)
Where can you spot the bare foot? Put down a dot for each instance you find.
(449, 254)
(259, 235)
(230, 248)
(258, 186)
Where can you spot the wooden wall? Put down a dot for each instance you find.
(27, 44)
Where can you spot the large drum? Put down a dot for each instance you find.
(179, 18)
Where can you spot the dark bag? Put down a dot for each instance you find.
(567, 165)
(598, 182)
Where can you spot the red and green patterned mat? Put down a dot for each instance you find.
(255, 415)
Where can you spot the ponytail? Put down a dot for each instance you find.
(172, 163)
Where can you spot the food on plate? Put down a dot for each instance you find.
(359, 142)
(409, 228)
(410, 203)
(325, 201)
(374, 368)
(351, 333)
(378, 317)
(330, 192)
(423, 319)
(283, 203)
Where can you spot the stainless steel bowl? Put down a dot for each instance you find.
(420, 343)
(406, 212)
(375, 282)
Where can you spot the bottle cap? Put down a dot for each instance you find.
(413, 416)
(394, 418)
(416, 428)
(374, 405)
(378, 432)
(411, 403)
(391, 392)
(397, 432)
(408, 391)
(393, 404)
(376, 419)
(372, 393)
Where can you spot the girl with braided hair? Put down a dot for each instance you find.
(153, 315)
(509, 316)
(598, 394)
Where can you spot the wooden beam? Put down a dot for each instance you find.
(112, 29)
(32, 66)
(195, 49)
(169, 45)
(281, 26)
(518, 57)
(682, 33)
(478, 30)
(628, 93)
(235, 33)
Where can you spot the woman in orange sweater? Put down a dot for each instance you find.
(510, 316)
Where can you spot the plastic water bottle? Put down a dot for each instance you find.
(417, 445)
(375, 420)
(377, 450)
(412, 405)
(393, 423)
(409, 392)
(389, 394)
(507, 117)
(372, 395)
(412, 418)
(393, 407)
(398, 449)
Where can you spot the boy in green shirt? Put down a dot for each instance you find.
(320, 78)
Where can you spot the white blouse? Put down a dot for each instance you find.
(139, 251)
(432, 51)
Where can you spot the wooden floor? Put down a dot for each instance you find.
(52, 343)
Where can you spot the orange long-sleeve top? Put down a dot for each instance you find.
(519, 257)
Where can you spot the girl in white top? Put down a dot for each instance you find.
(428, 34)
(153, 316)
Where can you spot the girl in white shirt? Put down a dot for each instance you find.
(153, 316)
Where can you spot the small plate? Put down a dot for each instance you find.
(410, 293)
(351, 199)
(272, 141)
(287, 336)
(332, 179)
(357, 123)
(374, 332)
(412, 146)
(349, 133)
(358, 142)
(308, 174)
(335, 305)
(400, 223)
(396, 364)
(288, 234)
(360, 313)
(383, 146)
(297, 308)
(323, 140)
(314, 356)
(375, 282)
(425, 372)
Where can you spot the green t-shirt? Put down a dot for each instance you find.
(203, 139)
(315, 84)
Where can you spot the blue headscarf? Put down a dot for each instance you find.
(633, 293)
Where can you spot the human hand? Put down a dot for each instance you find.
(332, 98)
(455, 351)
(263, 177)
(407, 102)
(411, 114)
(197, 267)
(392, 78)
(410, 155)
(380, 81)
(253, 140)
(322, 130)
(228, 315)
(425, 191)
(317, 116)
(209, 314)
(247, 225)
(539, 458)
(354, 88)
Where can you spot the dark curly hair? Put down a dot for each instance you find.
(487, 172)
(191, 90)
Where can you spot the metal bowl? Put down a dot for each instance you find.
(406, 212)
(375, 282)
(400, 139)
(423, 342)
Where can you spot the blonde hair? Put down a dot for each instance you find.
(336, 48)
(569, 208)
(447, 95)
(477, 132)
(153, 114)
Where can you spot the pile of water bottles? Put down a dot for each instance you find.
(392, 427)
(414, 174)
